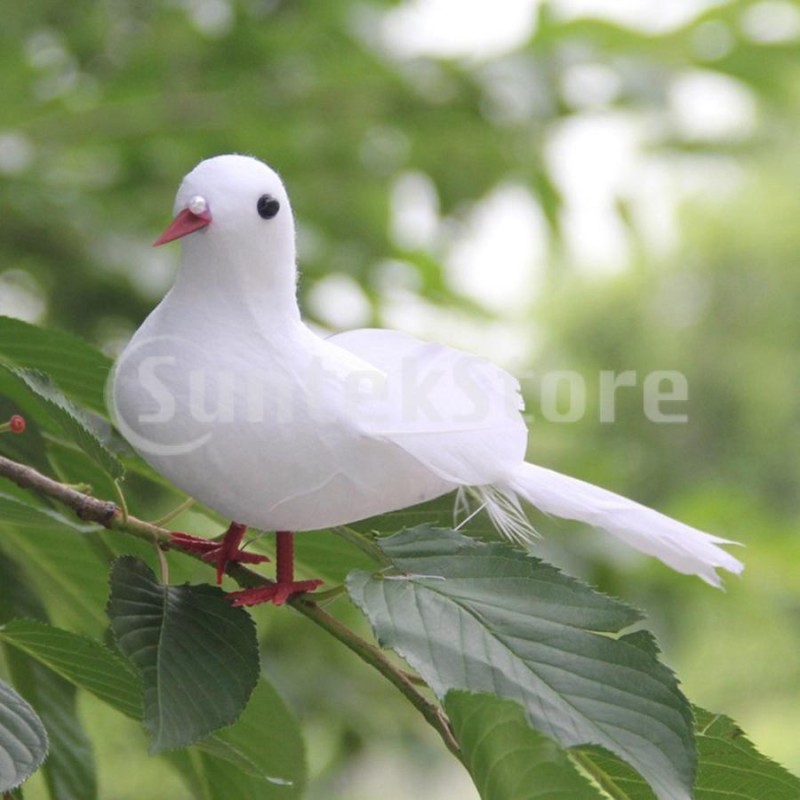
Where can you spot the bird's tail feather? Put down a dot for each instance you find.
(680, 546)
(503, 509)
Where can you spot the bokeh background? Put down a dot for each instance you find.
(584, 185)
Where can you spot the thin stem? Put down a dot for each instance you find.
(325, 597)
(170, 515)
(121, 500)
(363, 543)
(107, 514)
(163, 565)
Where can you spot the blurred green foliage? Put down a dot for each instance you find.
(107, 104)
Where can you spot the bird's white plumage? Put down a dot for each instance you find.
(225, 391)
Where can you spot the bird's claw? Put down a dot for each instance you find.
(192, 544)
(277, 593)
(220, 553)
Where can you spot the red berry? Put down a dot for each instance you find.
(17, 424)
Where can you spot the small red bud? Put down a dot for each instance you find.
(17, 424)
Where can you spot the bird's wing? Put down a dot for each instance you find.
(454, 412)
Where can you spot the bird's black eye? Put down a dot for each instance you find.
(267, 206)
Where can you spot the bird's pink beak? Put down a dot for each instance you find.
(185, 223)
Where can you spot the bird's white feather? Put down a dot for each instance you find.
(339, 429)
(680, 546)
(454, 412)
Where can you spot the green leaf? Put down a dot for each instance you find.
(198, 656)
(79, 660)
(267, 738)
(17, 597)
(69, 769)
(218, 781)
(75, 467)
(507, 759)
(488, 618)
(69, 571)
(728, 767)
(23, 739)
(78, 368)
(72, 422)
(265, 747)
(328, 556)
(617, 779)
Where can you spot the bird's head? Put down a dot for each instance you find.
(233, 214)
(233, 197)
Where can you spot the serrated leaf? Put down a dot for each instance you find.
(197, 655)
(728, 767)
(77, 367)
(23, 739)
(77, 426)
(488, 618)
(79, 660)
(729, 764)
(507, 759)
(69, 769)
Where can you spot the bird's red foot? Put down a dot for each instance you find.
(221, 553)
(277, 593)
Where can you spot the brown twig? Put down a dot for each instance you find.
(109, 515)
(86, 507)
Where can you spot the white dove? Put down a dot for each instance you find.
(226, 392)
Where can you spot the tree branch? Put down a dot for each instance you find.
(109, 515)
(376, 659)
(86, 507)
